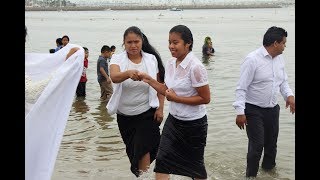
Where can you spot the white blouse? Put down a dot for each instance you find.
(184, 79)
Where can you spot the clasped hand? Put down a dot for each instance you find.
(136, 75)
(133, 74)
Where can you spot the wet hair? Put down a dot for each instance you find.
(105, 48)
(274, 34)
(148, 48)
(206, 40)
(185, 33)
(59, 41)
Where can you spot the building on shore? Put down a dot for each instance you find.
(53, 5)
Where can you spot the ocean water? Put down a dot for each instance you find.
(92, 148)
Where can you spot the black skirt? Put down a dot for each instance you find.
(181, 149)
(141, 134)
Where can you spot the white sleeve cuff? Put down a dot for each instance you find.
(240, 111)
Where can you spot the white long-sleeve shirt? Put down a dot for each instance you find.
(261, 79)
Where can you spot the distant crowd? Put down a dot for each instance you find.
(102, 68)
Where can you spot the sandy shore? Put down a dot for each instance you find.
(102, 8)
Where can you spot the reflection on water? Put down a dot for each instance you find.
(101, 115)
(80, 105)
(207, 59)
(208, 62)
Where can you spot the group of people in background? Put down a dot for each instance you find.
(103, 73)
(135, 84)
(60, 43)
(102, 69)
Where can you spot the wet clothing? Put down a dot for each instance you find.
(181, 149)
(81, 88)
(262, 78)
(262, 131)
(184, 135)
(140, 134)
(206, 50)
(106, 89)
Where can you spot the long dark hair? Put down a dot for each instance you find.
(148, 48)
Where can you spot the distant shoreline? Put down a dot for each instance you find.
(183, 7)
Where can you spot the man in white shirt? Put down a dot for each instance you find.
(262, 77)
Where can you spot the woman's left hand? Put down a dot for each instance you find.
(158, 115)
(170, 94)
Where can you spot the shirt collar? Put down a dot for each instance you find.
(186, 60)
(264, 52)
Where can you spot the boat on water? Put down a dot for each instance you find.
(175, 9)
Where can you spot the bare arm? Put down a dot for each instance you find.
(118, 77)
(158, 115)
(203, 96)
(105, 75)
(159, 87)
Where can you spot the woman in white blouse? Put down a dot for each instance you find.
(184, 134)
(138, 106)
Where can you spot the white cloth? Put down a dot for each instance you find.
(122, 60)
(261, 79)
(184, 79)
(51, 82)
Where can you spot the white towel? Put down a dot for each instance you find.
(51, 83)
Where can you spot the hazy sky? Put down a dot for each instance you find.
(174, 0)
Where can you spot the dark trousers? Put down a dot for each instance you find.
(262, 131)
(81, 89)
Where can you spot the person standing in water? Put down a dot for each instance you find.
(262, 77)
(184, 135)
(138, 106)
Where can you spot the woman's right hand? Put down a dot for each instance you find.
(133, 74)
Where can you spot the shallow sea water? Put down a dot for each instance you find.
(92, 147)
